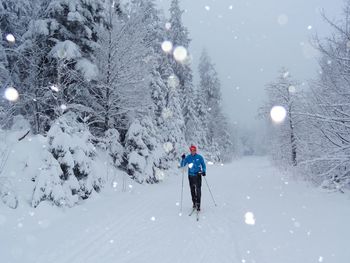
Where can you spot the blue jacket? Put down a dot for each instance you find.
(197, 162)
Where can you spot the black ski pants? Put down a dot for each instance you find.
(195, 185)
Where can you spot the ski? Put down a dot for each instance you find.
(197, 215)
(192, 212)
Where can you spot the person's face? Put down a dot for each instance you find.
(193, 152)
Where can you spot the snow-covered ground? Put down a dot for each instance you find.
(292, 223)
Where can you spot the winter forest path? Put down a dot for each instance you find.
(292, 223)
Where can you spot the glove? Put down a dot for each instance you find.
(203, 173)
(183, 156)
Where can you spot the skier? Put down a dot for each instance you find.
(196, 168)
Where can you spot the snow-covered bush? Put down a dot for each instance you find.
(70, 144)
(49, 185)
(143, 152)
(111, 144)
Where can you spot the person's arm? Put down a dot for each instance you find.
(183, 162)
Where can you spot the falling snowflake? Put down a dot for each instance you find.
(54, 88)
(11, 94)
(63, 107)
(230, 7)
(309, 27)
(278, 114)
(180, 54)
(320, 259)
(167, 46)
(207, 8)
(10, 38)
(153, 218)
(115, 184)
(249, 218)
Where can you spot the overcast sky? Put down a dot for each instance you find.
(249, 41)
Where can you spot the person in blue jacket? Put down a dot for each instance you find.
(196, 168)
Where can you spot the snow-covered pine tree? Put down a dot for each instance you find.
(165, 109)
(71, 145)
(15, 16)
(202, 112)
(143, 152)
(14, 21)
(179, 36)
(218, 132)
(50, 187)
(66, 31)
(173, 124)
(177, 33)
(225, 139)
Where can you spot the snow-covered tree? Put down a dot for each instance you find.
(15, 16)
(71, 145)
(178, 33)
(179, 36)
(217, 130)
(143, 152)
(14, 20)
(327, 158)
(283, 136)
(122, 85)
(50, 187)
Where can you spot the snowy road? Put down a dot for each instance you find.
(293, 223)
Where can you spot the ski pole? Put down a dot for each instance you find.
(182, 188)
(210, 191)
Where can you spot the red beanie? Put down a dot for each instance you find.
(193, 148)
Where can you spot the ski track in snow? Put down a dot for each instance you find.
(294, 223)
